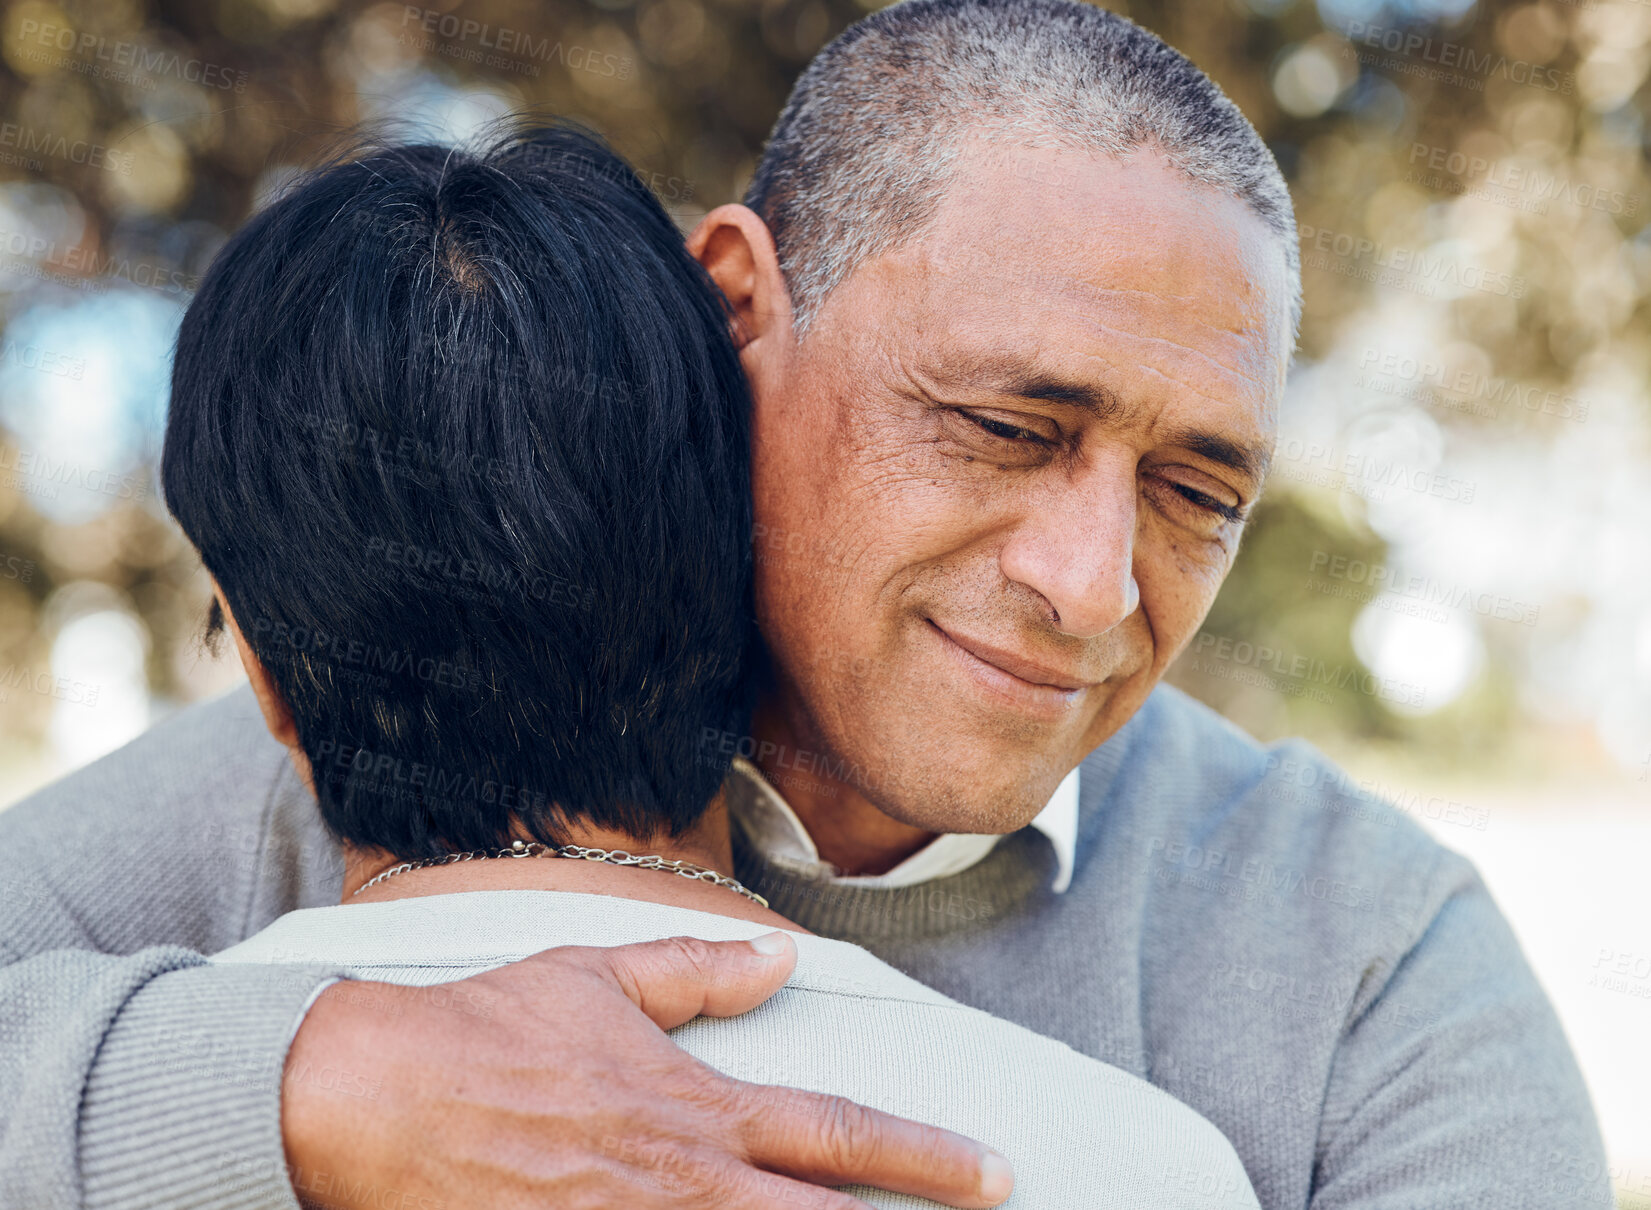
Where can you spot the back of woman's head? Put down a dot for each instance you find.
(462, 437)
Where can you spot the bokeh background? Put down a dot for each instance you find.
(1448, 586)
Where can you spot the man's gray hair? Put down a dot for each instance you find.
(859, 159)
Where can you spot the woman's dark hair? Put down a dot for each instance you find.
(462, 437)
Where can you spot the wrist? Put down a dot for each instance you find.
(326, 1085)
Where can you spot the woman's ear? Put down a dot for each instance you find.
(277, 717)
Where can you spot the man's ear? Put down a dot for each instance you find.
(737, 250)
(277, 717)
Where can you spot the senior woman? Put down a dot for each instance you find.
(462, 440)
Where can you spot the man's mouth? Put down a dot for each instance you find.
(1026, 681)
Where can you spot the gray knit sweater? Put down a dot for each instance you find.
(1304, 967)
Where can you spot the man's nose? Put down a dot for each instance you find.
(1076, 549)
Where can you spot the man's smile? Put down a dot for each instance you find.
(1030, 686)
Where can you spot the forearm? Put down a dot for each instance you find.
(147, 1080)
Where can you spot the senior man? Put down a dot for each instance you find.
(1015, 290)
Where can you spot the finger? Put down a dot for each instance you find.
(753, 1189)
(680, 978)
(828, 1140)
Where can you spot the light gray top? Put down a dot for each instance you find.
(1081, 1134)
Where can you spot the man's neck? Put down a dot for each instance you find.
(707, 845)
(848, 831)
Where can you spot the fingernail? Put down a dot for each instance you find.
(769, 945)
(997, 1179)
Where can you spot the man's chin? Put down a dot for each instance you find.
(970, 778)
(976, 797)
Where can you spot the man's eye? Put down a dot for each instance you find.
(1009, 432)
(1209, 503)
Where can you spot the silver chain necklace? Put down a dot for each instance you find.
(532, 848)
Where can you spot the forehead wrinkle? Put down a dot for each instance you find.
(1227, 334)
(1079, 286)
(1249, 324)
(1247, 381)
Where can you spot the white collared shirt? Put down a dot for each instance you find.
(775, 831)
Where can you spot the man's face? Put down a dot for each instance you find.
(1001, 480)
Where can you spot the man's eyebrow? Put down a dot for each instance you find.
(1009, 375)
(1250, 460)
(1092, 397)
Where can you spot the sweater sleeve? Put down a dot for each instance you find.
(132, 1071)
(152, 1079)
(1455, 1085)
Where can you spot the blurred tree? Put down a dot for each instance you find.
(1470, 180)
